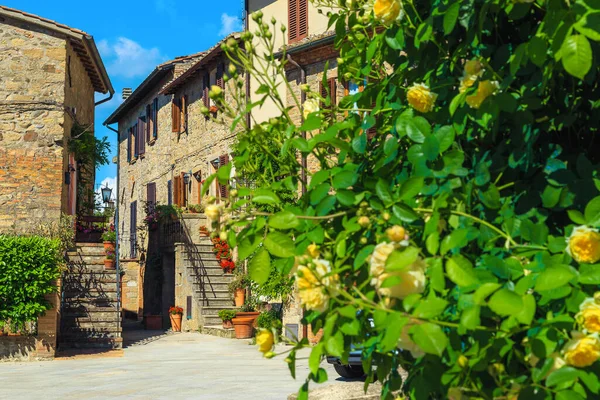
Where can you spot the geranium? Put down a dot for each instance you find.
(176, 310)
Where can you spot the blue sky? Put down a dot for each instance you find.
(133, 36)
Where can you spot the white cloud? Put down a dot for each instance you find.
(229, 24)
(128, 59)
(112, 183)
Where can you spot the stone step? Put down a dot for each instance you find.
(85, 259)
(87, 250)
(210, 286)
(212, 294)
(84, 306)
(84, 320)
(210, 320)
(211, 281)
(90, 296)
(206, 262)
(87, 278)
(95, 314)
(91, 343)
(106, 329)
(222, 303)
(218, 330)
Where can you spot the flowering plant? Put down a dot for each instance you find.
(110, 235)
(176, 310)
(110, 255)
(452, 205)
(223, 253)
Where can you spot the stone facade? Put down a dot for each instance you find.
(44, 87)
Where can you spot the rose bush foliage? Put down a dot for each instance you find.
(460, 241)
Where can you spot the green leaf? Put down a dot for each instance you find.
(569, 395)
(589, 274)
(283, 220)
(460, 271)
(431, 148)
(335, 344)
(450, 18)
(279, 245)
(505, 303)
(314, 360)
(436, 275)
(470, 317)
(537, 50)
(456, 240)
(345, 197)
(394, 324)
(554, 277)
(430, 338)
(576, 216)
(247, 246)
(259, 267)
(408, 127)
(265, 196)
(577, 55)
(518, 58)
(362, 256)
(433, 243)
(344, 179)
(430, 308)
(359, 143)
(312, 122)
(525, 316)
(383, 192)
(424, 32)
(592, 212)
(224, 173)
(589, 25)
(445, 136)
(405, 213)
(484, 291)
(561, 376)
(399, 260)
(411, 187)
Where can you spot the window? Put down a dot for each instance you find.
(184, 113)
(329, 90)
(205, 89)
(133, 229)
(151, 195)
(170, 193)
(297, 20)
(179, 191)
(149, 123)
(136, 147)
(222, 190)
(176, 115)
(220, 81)
(129, 141)
(154, 115)
(141, 136)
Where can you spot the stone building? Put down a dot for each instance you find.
(167, 148)
(49, 74)
(309, 48)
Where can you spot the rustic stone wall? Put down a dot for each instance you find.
(32, 93)
(131, 291)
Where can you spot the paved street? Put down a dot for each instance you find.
(180, 366)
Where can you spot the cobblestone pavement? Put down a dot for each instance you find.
(177, 366)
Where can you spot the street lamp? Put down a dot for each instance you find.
(106, 192)
(186, 178)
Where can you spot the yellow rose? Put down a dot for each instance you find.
(421, 98)
(313, 250)
(377, 261)
(466, 82)
(484, 90)
(455, 394)
(265, 340)
(582, 351)
(473, 67)
(412, 280)
(589, 311)
(388, 11)
(310, 106)
(213, 212)
(396, 233)
(315, 284)
(584, 245)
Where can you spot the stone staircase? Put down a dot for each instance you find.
(90, 315)
(210, 284)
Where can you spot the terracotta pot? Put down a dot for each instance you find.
(243, 327)
(109, 246)
(109, 264)
(176, 322)
(227, 324)
(153, 322)
(239, 297)
(248, 314)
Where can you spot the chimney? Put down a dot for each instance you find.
(126, 93)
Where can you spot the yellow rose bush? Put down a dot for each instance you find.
(457, 240)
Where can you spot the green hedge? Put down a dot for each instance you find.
(29, 267)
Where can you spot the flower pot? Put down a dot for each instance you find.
(227, 324)
(243, 327)
(176, 322)
(109, 264)
(239, 297)
(109, 246)
(248, 314)
(153, 322)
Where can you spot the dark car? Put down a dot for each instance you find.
(353, 369)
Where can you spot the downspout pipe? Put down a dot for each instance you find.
(110, 96)
(248, 92)
(304, 163)
(117, 232)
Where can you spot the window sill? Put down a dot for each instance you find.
(133, 160)
(151, 143)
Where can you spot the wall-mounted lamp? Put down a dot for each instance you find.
(198, 175)
(186, 178)
(68, 174)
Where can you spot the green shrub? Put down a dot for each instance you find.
(29, 267)
(269, 320)
(227, 315)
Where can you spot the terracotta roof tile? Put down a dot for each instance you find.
(46, 20)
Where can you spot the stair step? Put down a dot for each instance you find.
(85, 306)
(80, 259)
(212, 294)
(81, 320)
(222, 303)
(86, 295)
(91, 343)
(91, 315)
(106, 330)
(218, 330)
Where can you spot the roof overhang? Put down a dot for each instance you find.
(82, 43)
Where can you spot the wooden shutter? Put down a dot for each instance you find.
(328, 90)
(175, 115)
(141, 136)
(129, 133)
(149, 123)
(184, 113)
(223, 189)
(333, 90)
(133, 230)
(151, 194)
(292, 20)
(302, 19)
(177, 190)
(155, 118)
(183, 189)
(220, 81)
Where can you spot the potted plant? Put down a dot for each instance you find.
(176, 313)
(237, 287)
(109, 238)
(2, 331)
(109, 262)
(204, 231)
(248, 310)
(226, 316)
(243, 327)
(195, 208)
